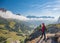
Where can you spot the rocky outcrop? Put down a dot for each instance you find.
(51, 38)
(3, 10)
(58, 20)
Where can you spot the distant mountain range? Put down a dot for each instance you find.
(40, 17)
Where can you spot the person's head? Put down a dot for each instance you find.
(43, 24)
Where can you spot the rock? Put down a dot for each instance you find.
(57, 34)
(59, 40)
(58, 20)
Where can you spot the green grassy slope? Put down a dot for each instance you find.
(11, 31)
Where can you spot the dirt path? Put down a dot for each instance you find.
(38, 40)
(51, 38)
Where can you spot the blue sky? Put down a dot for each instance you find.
(32, 7)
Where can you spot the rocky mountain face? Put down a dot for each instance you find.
(53, 28)
(58, 20)
(51, 34)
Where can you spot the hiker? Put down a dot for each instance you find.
(43, 28)
(43, 31)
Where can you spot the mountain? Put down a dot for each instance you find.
(51, 28)
(58, 20)
(51, 33)
(32, 17)
(40, 17)
(14, 25)
(12, 29)
(3, 10)
(36, 23)
(18, 14)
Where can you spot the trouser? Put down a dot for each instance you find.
(43, 34)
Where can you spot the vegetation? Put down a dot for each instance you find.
(8, 36)
(13, 31)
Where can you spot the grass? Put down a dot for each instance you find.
(11, 36)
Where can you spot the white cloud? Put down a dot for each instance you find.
(56, 9)
(48, 8)
(9, 14)
(51, 8)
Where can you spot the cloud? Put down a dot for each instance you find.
(9, 14)
(48, 8)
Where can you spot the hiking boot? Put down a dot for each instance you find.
(45, 40)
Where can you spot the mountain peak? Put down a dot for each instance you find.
(59, 20)
(18, 14)
(2, 9)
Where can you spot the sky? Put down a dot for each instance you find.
(32, 7)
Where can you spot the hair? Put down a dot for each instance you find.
(43, 24)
